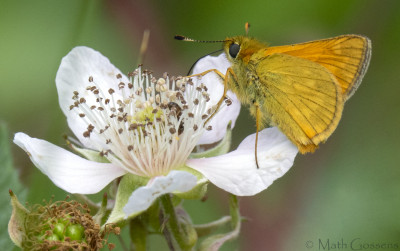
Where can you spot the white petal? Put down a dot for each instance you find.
(215, 89)
(67, 170)
(143, 197)
(236, 172)
(73, 75)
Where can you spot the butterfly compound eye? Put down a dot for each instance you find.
(234, 50)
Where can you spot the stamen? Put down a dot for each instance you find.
(137, 124)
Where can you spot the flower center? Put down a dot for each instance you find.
(146, 126)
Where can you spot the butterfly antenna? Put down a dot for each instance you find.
(183, 38)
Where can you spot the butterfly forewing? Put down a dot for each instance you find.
(346, 57)
(305, 94)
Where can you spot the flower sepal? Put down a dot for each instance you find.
(128, 184)
(210, 227)
(88, 153)
(16, 225)
(143, 197)
(102, 211)
(199, 190)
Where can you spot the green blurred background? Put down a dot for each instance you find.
(348, 189)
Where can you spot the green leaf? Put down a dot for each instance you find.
(221, 148)
(8, 180)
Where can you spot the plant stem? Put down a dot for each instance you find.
(173, 227)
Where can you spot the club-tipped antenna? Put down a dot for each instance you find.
(183, 38)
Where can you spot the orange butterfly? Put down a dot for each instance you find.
(299, 88)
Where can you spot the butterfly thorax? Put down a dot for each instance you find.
(243, 81)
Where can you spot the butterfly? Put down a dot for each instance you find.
(300, 88)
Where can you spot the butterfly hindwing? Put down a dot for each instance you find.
(305, 96)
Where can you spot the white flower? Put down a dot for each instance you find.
(148, 127)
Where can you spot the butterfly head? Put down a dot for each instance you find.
(239, 49)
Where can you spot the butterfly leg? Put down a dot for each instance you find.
(208, 71)
(222, 76)
(221, 100)
(258, 117)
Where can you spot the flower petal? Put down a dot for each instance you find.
(215, 87)
(143, 197)
(236, 172)
(67, 170)
(73, 75)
